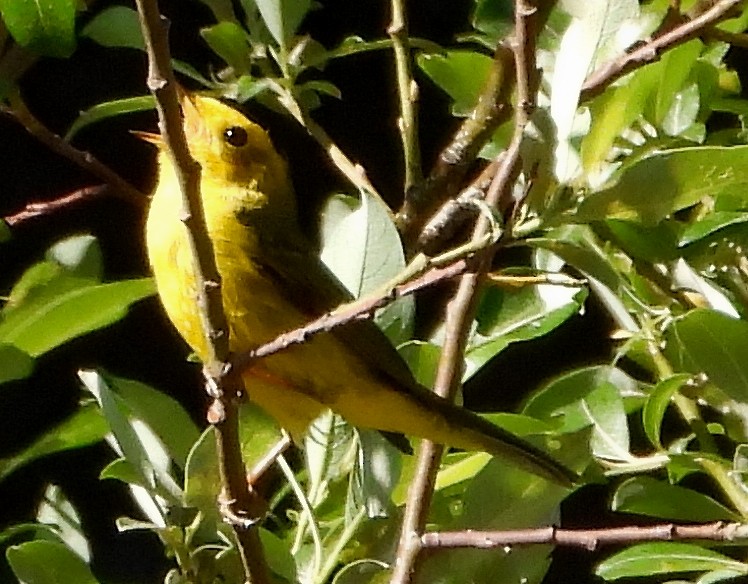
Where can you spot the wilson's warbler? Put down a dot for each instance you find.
(272, 281)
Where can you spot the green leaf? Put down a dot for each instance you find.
(647, 496)
(711, 223)
(422, 359)
(494, 19)
(116, 26)
(675, 68)
(462, 74)
(361, 245)
(683, 111)
(109, 109)
(656, 404)
(47, 28)
(258, 433)
(649, 243)
(162, 413)
(140, 445)
(14, 363)
(48, 562)
(591, 396)
(282, 17)
(80, 255)
(4, 228)
(230, 42)
(222, 10)
(709, 342)
(506, 317)
(55, 509)
(648, 559)
(66, 308)
(680, 177)
(83, 428)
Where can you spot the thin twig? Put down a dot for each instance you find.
(461, 308)
(652, 51)
(352, 171)
(121, 188)
(361, 309)
(407, 90)
(40, 209)
(589, 539)
(240, 506)
(446, 179)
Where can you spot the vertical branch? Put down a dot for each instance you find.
(461, 308)
(407, 90)
(239, 505)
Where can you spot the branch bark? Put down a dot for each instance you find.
(240, 507)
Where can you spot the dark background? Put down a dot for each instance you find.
(363, 124)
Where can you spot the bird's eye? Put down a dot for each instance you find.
(235, 136)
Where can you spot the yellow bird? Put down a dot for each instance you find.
(272, 281)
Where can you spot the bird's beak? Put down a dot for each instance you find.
(149, 137)
(191, 119)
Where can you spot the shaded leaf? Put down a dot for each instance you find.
(710, 224)
(509, 317)
(116, 26)
(43, 27)
(85, 427)
(14, 363)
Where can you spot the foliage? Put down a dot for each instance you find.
(633, 191)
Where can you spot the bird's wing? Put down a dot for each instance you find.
(307, 283)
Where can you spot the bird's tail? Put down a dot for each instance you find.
(467, 430)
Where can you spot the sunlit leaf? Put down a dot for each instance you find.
(648, 559)
(56, 509)
(647, 496)
(109, 109)
(283, 17)
(709, 342)
(462, 74)
(656, 404)
(680, 177)
(361, 246)
(48, 562)
(230, 42)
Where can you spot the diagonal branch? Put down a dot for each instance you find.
(652, 51)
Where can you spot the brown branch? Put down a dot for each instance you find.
(240, 507)
(455, 161)
(589, 539)
(407, 90)
(361, 309)
(40, 209)
(461, 308)
(19, 112)
(652, 51)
